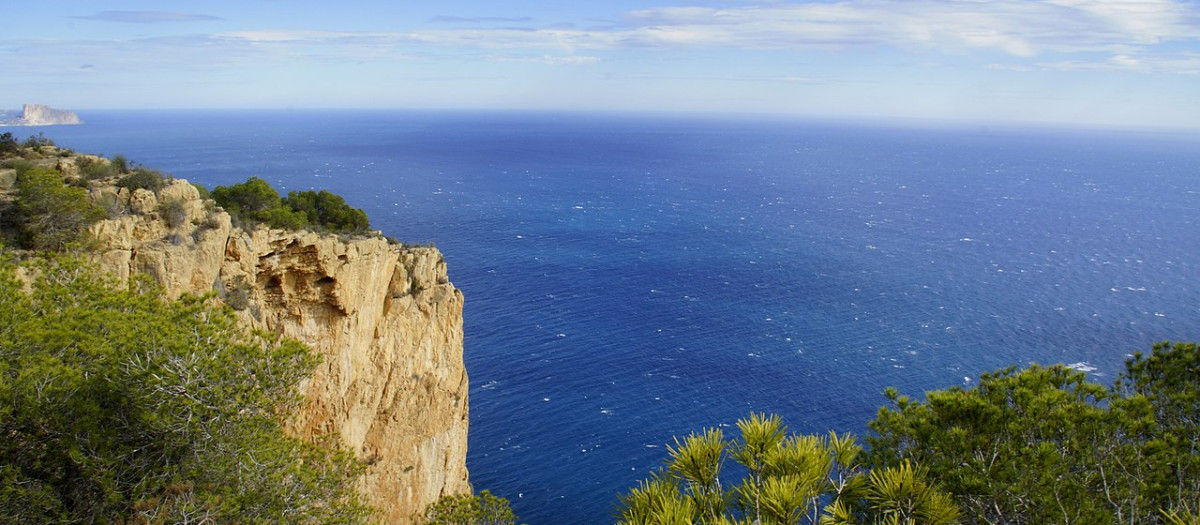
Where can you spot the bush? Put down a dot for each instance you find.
(36, 142)
(143, 178)
(120, 163)
(465, 509)
(173, 212)
(9, 145)
(248, 198)
(1045, 445)
(328, 211)
(95, 169)
(204, 195)
(49, 214)
(788, 479)
(112, 205)
(123, 407)
(255, 201)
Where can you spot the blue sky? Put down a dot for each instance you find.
(1084, 62)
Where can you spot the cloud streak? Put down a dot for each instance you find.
(1062, 35)
(479, 19)
(148, 17)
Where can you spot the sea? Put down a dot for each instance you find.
(632, 278)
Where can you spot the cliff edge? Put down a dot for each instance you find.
(384, 317)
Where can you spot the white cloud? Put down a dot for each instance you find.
(1074, 31)
(1179, 64)
(1021, 28)
(148, 17)
(552, 60)
(1016, 27)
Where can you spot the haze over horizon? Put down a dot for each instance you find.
(1079, 62)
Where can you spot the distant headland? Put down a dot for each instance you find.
(39, 115)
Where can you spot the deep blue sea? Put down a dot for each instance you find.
(631, 278)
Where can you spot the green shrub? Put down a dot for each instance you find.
(328, 211)
(204, 194)
(49, 214)
(250, 197)
(36, 142)
(20, 165)
(120, 406)
(1046, 445)
(96, 169)
(282, 217)
(466, 509)
(787, 479)
(112, 205)
(143, 178)
(9, 145)
(255, 201)
(173, 212)
(120, 163)
(237, 296)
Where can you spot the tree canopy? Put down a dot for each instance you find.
(1030, 446)
(48, 214)
(119, 406)
(255, 201)
(1044, 445)
(789, 479)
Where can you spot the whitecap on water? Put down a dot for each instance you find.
(1082, 366)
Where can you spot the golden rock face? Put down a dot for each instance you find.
(385, 319)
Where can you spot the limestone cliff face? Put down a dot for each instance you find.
(385, 318)
(40, 115)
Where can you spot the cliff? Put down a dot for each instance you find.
(39, 115)
(384, 317)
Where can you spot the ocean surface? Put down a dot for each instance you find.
(629, 279)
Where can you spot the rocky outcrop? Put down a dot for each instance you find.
(384, 317)
(39, 115)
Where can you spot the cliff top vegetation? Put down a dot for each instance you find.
(50, 196)
(119, 406)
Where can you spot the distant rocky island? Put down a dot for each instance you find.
(39, 115)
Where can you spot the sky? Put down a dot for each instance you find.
(1080, 62)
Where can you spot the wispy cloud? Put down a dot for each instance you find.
(480, 19)
(1015, 27)
(1180, 64)
(1130, 35)
(553, 60)
(148, 17)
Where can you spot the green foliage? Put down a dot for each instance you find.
(143, 179)
(204, 194)
(283, 217)
(173, 212)
(1163, 389)
(118, 406)
(9, 145)
(20, 165)
(789, 479)
(248, 198)
(255, 201)
(466, 509)
(327, 210)
(1044, 445)
(48, 214)
(95, 169)
(120, 163)
(1183, 516)
(37, 142)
